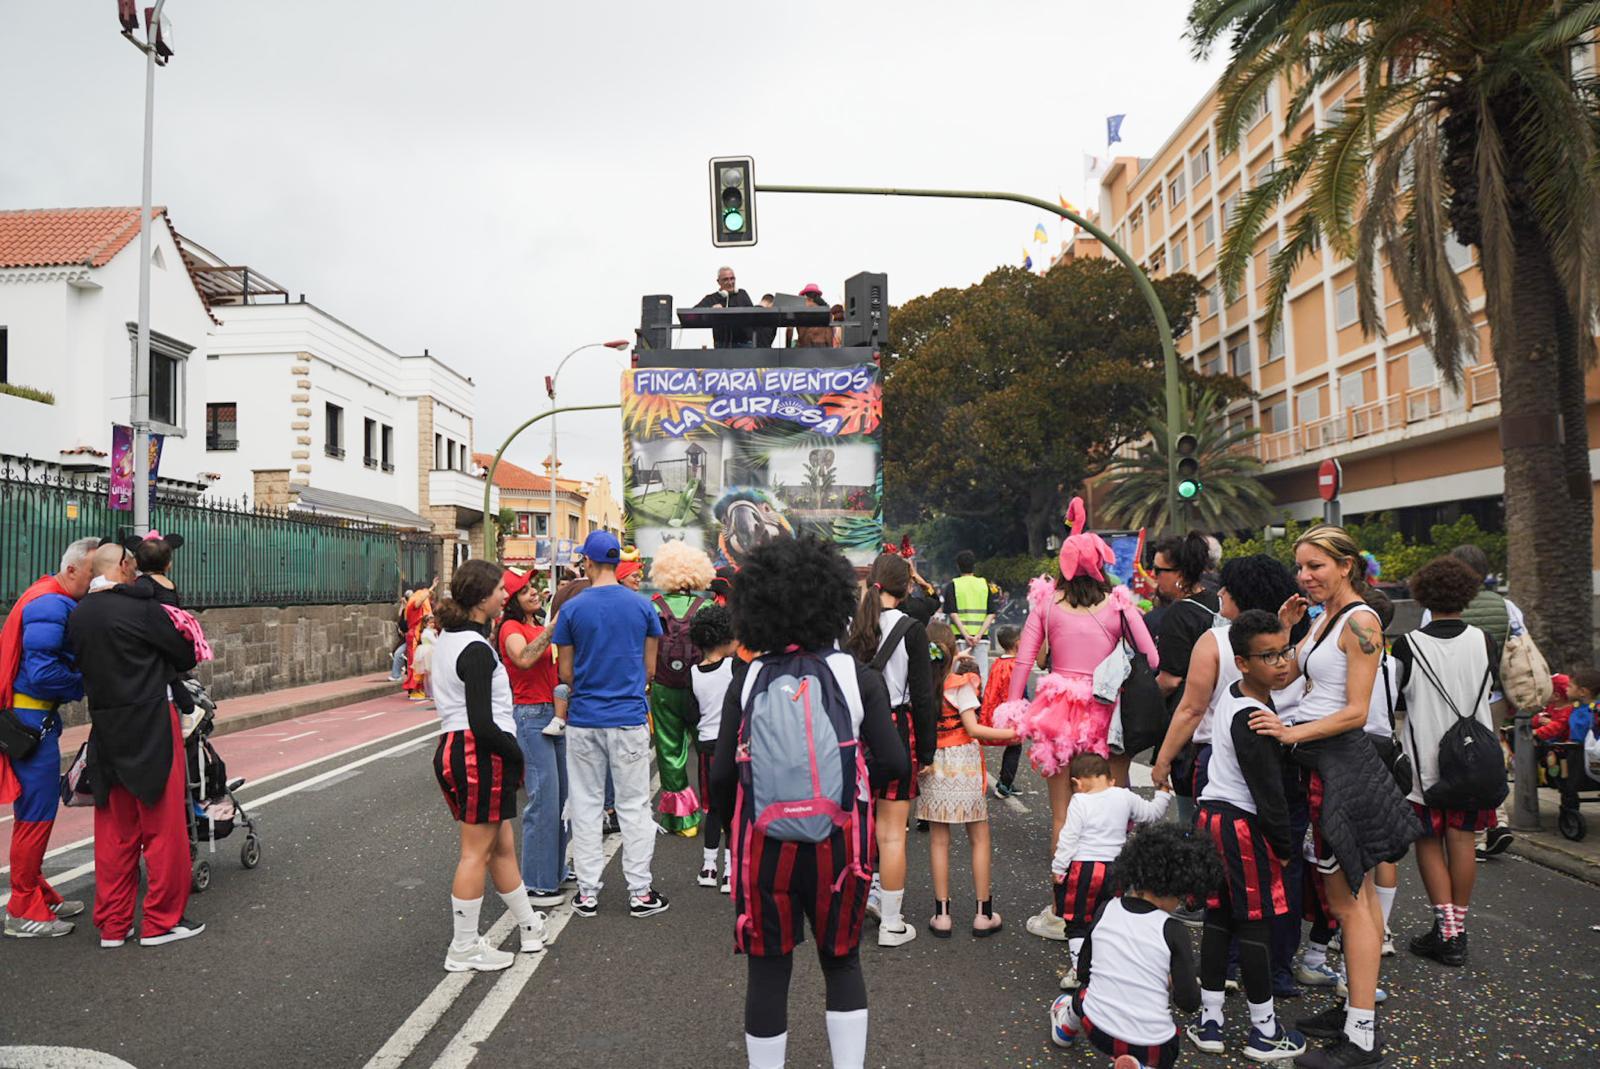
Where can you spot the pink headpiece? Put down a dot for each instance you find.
(1084, 552)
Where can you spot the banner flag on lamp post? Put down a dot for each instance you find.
(1114, 129)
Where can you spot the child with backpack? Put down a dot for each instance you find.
(954, 789)
(712, 634)
(1136, 959)
(678, 570)
(791, 777)
(1091, 840)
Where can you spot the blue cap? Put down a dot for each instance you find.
(602, 546)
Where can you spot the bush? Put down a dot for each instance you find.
(1397, 558)
(28, 393)
(1012, 574)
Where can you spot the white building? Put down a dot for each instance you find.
(304, 410)
(69, 293)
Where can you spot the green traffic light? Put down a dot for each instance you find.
(1189, 489)
(733, 220)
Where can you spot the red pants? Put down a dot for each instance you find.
(126, 829)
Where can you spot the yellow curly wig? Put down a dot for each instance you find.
(678, 567)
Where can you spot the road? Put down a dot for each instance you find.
(330, 953)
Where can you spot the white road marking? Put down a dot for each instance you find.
(380, 712)
(302, 735)
(463, 1046)
(432, 730)
(58, 1058)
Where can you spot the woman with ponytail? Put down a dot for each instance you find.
(1084, 616)
(885, 638)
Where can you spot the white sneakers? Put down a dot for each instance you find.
(479, 957)
(707, 878)
(894, 937)
(533, 934)
(1046, 925)
(1069, 979)
(557, 726)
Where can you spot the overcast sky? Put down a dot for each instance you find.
(502, 181)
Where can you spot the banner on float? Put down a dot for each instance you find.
(727, 458)
(119, 493)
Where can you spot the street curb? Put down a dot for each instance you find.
(287, 711)
(1559, 858)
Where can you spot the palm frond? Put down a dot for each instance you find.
(1238, 244)
(1339, 179)
(1494, 211)
(1242, 89)
(1305, 237)
(1564, 25)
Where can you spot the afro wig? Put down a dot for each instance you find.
(678, 567)
(1160, 860)
(793, 592)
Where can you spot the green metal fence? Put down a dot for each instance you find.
(232, 554)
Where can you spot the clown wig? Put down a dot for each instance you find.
(678, 568)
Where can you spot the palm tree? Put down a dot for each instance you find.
(1231, 498)
(1468, 121)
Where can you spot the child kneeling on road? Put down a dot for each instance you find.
(1244, 814)
(1136, 957)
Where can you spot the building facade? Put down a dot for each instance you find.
(69, 307)
(1409, 445)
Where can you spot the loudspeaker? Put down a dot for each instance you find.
(655, 321)
(866, 310)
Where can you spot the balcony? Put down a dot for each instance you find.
(1378, 423)
(448, 488)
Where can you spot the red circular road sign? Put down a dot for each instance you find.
(1329, 477)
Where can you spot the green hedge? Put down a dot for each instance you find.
(1397, 558)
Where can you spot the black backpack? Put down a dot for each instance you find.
(1472, 767)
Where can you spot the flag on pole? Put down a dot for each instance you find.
(1027, 260)
(1092, 166)
(1114, 129)
(1066, 205)
(1040, 235)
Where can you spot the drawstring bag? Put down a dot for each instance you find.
(1472, 767)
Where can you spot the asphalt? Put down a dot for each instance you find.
(322, 954)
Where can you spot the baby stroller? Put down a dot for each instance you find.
(213, 811)
(1563, 768)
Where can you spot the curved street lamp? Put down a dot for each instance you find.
(550, 390)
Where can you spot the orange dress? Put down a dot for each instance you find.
(954, 790)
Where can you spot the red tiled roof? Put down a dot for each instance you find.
(53, 237)
(509, 476)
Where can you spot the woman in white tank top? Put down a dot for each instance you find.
(1338, 662)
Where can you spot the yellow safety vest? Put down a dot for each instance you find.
(972, 602)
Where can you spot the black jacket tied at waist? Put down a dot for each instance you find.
(128, 650)
(1364, 818)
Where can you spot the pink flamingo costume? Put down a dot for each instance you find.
(1064, 719)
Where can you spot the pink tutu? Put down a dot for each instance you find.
(1063, 720)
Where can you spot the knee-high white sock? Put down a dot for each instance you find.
(1386, 902)
(1361, 1027)
(889, 907)
(766, 1052)
(1211, 1005)
(847, 1038)
(464, 912)
(1263, 1017)
(1075, 944)
(529, 923)
(708, 858)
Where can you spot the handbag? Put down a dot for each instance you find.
(1395, 758)
(1142, 710)
(17, 740)
(76, 787)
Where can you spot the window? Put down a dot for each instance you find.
(1230, 208)
(572, 528)
(1211, 361)
(1264, 172)
(1208, 231)
(1344, 307)
(1153, 201)
(169, 358)
(524, 523)
(1213, 299)
(1334, 113)
(222, 425)
(1310, 404)
(1176, 189)
(5, 369)
(369, 442)
(1135, 220)
(1275, 347)
(450, 452)
(541, 524)
(1352, 390)
(1200, 163)
(438, 451)
(1459, 255)
(1239, 355)
(1275, 417)
(333, 430)
(1178, 254)
(1258, 110)
(1155, 262)
(387, 439)
(1421, 371)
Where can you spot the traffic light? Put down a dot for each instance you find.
(733, 201)
(1189, 484)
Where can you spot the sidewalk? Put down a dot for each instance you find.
(1550, 848)
(254, 710)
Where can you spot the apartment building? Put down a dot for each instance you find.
(1408, 444)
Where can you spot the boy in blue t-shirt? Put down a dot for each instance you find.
(606, 644)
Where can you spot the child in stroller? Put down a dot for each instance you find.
(1561, 733)
(214, 811)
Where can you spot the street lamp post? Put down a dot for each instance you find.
(488, 478)
(550, 389)
(140, 415)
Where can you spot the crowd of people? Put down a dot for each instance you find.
(728, 294)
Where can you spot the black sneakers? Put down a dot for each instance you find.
(1329, 1024)
(184, 929)
(1496, 841)
(1431, 944)
(1341, 1054)
(648, 904)
(610, 826)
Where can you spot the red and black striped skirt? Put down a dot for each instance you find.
(1253, 889)
(475, 782)
(1081, 890)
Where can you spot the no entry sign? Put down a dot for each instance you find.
(1329, 477)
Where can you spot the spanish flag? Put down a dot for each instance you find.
(1066, 204)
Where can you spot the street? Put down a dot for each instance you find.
(329, 954)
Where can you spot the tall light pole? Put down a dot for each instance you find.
(155, 52)
(550, 389)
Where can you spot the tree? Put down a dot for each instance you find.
(1468, 122)
(1232, 498)
(1001, 398)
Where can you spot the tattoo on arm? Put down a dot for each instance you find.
(1364, 638)
(542, 643)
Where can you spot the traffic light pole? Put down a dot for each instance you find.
(1169, 352)
(488, 479)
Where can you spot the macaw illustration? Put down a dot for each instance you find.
(749, 516)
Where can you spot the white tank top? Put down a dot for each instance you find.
(897, 668)
(1225, 780)
(1461, 665)
(450, 694)
(1128, 993)
(1326, 672)
(1227, 676)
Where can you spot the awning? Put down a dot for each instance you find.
(349, 506)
